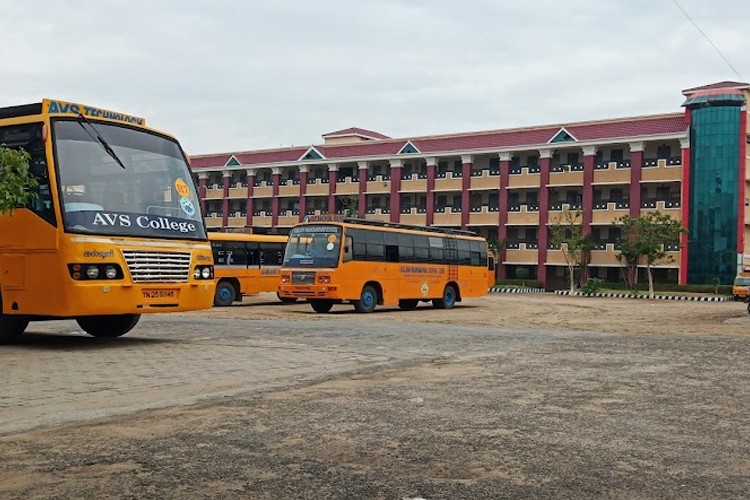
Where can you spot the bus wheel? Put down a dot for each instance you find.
(448, 300)
(286, 300)
(368, 299)
(11, 328)
(225, 294)
(408, 304)
(108, 326)
(321, 306)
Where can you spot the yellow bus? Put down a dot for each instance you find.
(115, 229)
(246, 264)
(369, 263)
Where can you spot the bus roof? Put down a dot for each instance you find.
(353, 222)
(63, 108)
(259, 238)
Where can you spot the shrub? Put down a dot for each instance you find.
(592, 285)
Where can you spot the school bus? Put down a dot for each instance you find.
(246, 264)
(369, 263)
(114, 230)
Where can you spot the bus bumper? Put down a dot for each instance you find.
(330, 292)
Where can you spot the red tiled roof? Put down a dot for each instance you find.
(719, 85)
(356, 131)
(514, 138)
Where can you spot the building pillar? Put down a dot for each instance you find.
(636, 170)
(685, 208)
(202, 181)
(430, 208)
(362, 201)
(545, 163)
(467, 163)
(250, 201)
(275, 201)
(395, 188)
(589, 159)
(502, 230)
(226, 177)
(333, 169)
(742, 184)
(302, 192)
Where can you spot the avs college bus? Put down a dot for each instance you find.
(369, 263)
(114, 231)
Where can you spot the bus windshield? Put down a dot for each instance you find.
(149, 192)
(313, 246)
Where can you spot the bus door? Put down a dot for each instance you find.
(271, 256)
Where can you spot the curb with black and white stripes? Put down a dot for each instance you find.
(657, 297)
(499, 289)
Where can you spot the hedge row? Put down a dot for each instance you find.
(671, 287)
(530, 283)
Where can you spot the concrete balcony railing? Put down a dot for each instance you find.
(485, 180)
(565, 175)
(612, 172)
(662, 171)
(521, 253)
(317, 188)
(288, 218)
(448, 181)
(379, 184)
(347, 186)
(263, 191)
(671, 208)
(447, 217)
(378, 214)
(523, 215)
(289, 188)
(237, 219)
(415, 216)
(238, 191)
(524, 177)
(484, 216)
(215, 193)
(213, 219)
(262, 218)
(605, 212)
(415, 183)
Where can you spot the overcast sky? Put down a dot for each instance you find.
(238, 75)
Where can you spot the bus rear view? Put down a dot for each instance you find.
(114, 231)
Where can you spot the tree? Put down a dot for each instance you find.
(351, 206)
(17, 183)
(566, 233)
(647, 238)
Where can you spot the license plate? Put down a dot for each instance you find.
(160, 295)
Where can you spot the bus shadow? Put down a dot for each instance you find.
(345, 309)
(63, 342)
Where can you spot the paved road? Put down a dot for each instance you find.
(374, 408)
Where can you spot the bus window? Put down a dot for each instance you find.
(348, 249)
(271, 254)
(253, 255)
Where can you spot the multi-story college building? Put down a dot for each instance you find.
(510, 184)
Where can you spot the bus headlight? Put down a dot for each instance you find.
(206, 273)
(92, 272)
(197, 273)
(110, 272)
(203, 272)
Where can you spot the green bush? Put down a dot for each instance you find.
(672, 287)
(522, 273)
(593, 285)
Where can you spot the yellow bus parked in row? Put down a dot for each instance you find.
(115, 229)
(369, 263)
(246, 264)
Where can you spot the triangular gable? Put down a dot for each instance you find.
(562, 136)
(409, 149)
(312, 154)
(232, 162)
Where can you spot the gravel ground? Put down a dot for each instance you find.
(507, 396)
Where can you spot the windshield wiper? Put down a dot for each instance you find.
(104, 144)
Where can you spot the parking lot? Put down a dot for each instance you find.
(504, 395)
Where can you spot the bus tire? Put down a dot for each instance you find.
(286, 300)
(321, 306)
(448, 300)
(225, 294)
(368, 300)
(408, 304)
(11, 328)
(108, 326)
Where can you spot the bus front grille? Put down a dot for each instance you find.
(157, 267)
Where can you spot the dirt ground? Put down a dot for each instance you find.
(525, 396)
(534, 311)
